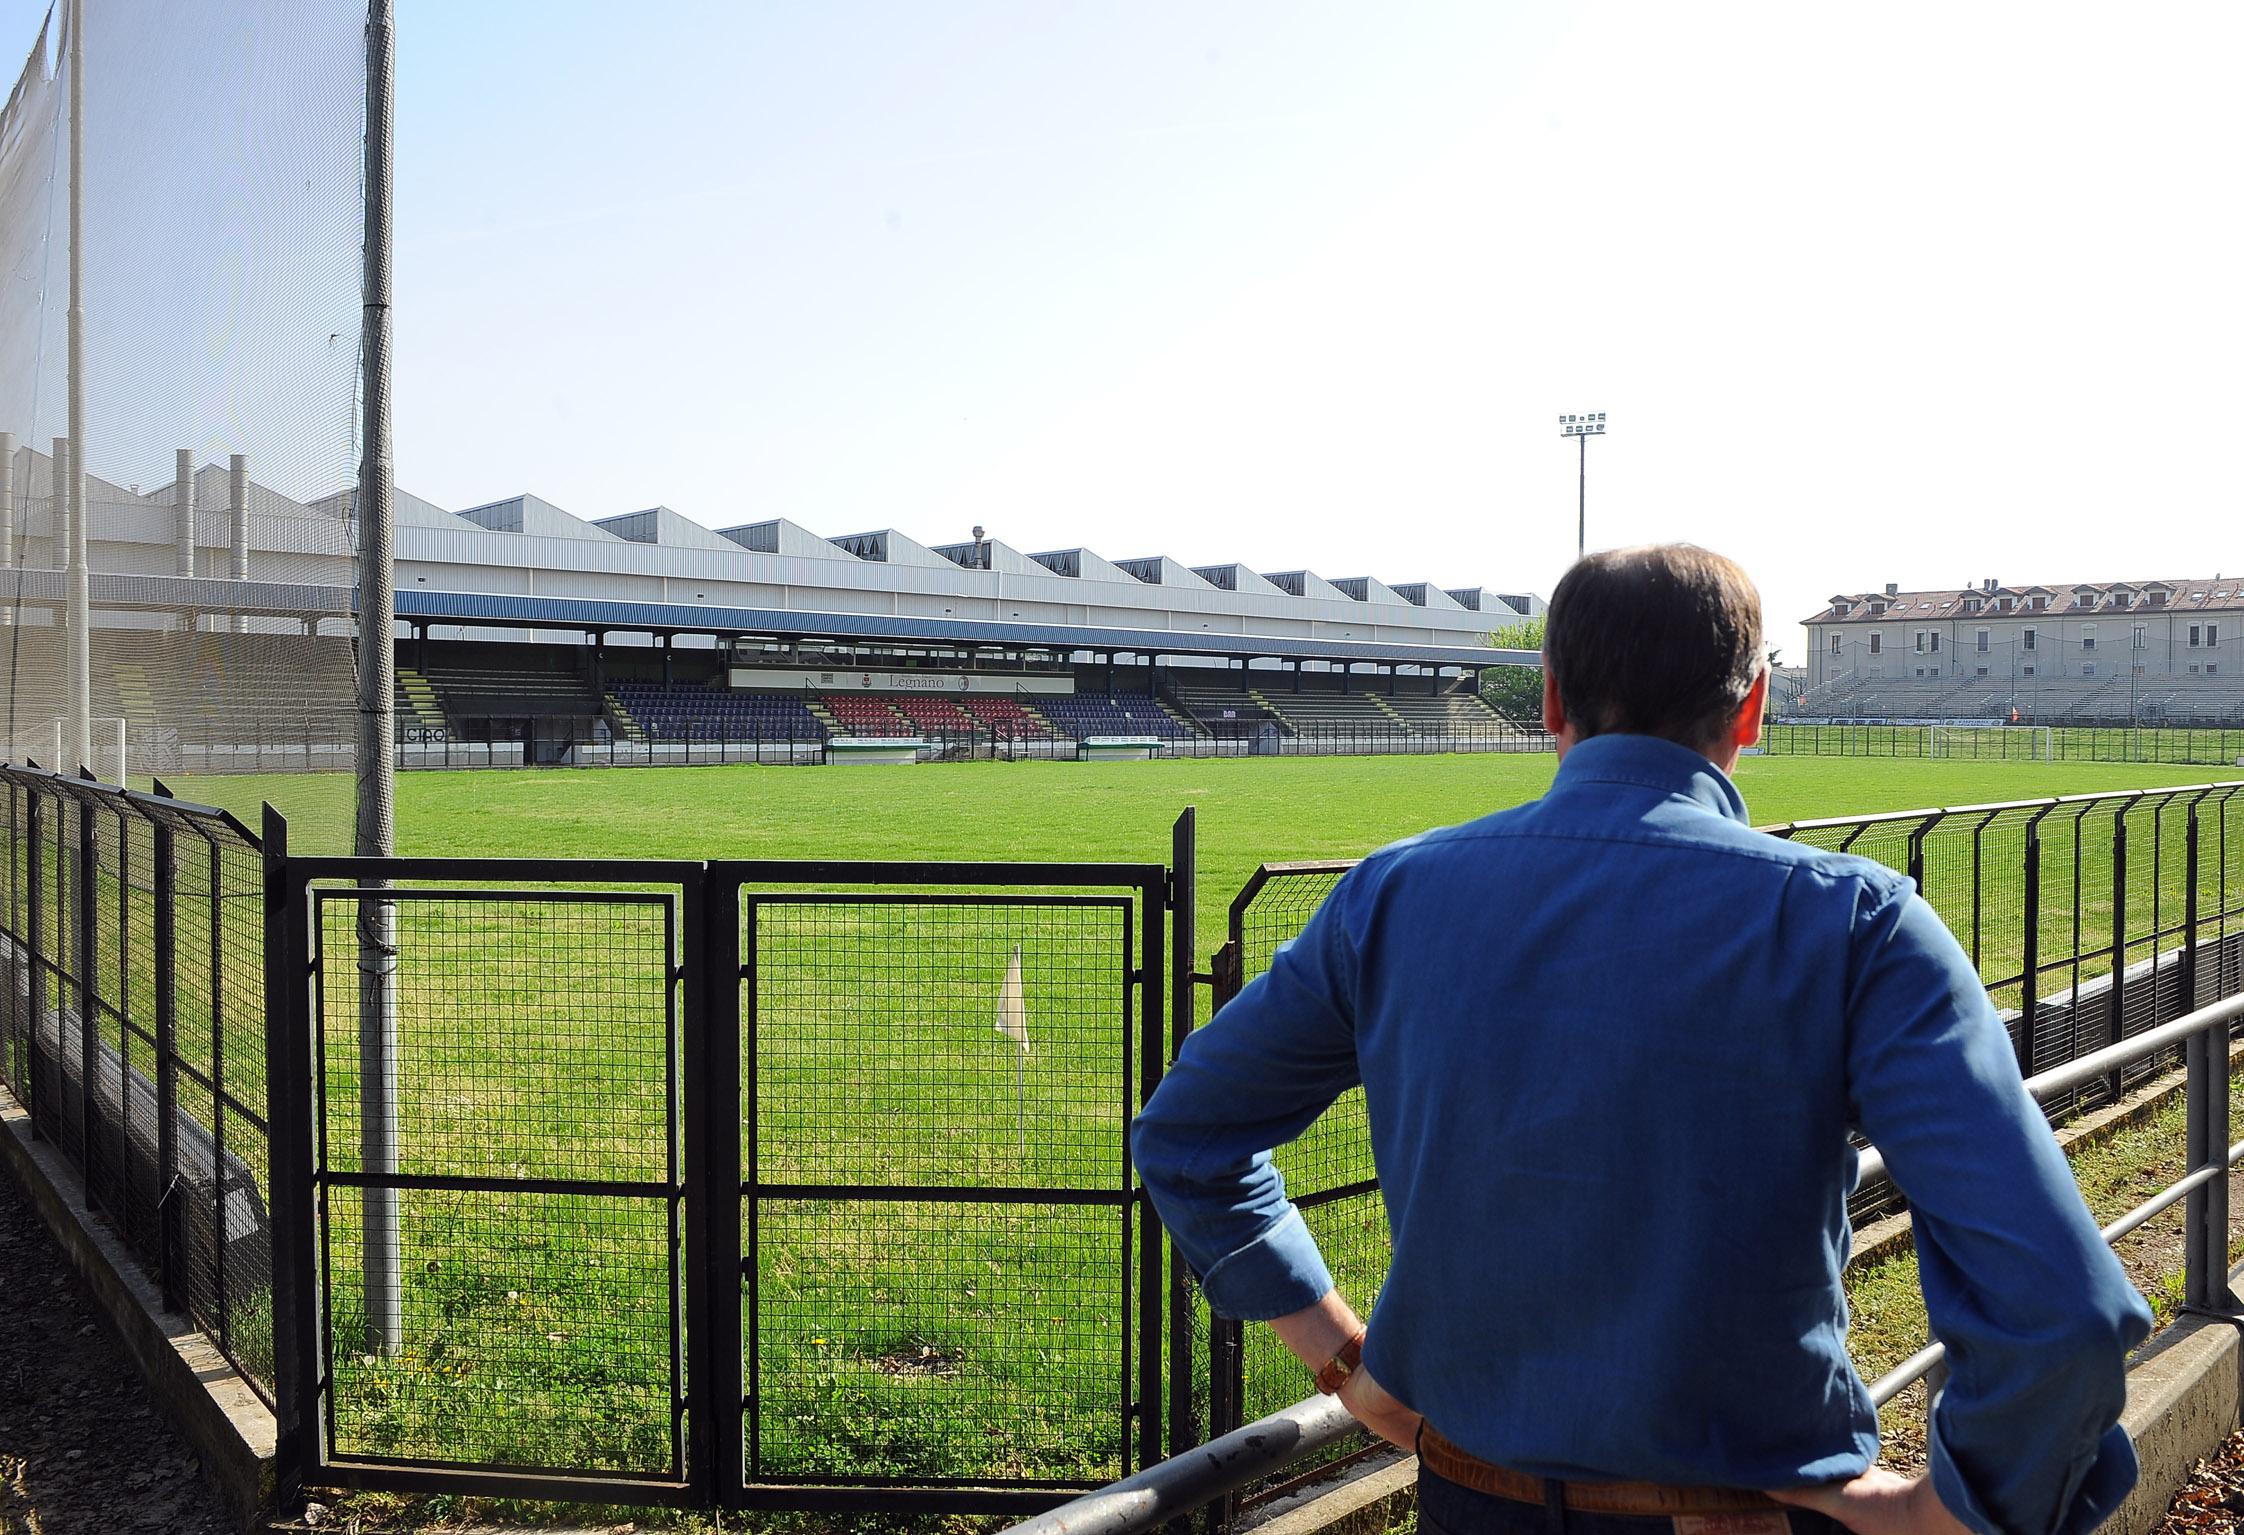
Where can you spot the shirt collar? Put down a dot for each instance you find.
(1652, 763)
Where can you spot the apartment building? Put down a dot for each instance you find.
(2024, 634)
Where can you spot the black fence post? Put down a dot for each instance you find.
(1183, 907)
(35, 875)
(1152, 1050)
(2116, 1011)
(2029, 993)
(289, 1093)
(171, 1269)
(716, 1262)
(87, 965)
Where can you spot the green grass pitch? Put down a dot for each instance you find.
(963, 1340)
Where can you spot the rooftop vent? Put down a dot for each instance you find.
(1893, 588)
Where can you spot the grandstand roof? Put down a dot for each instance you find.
(506, 611)
(2216, 594)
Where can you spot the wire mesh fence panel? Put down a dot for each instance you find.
(176, 408)
(938, 1089)
(498, 1160)
(112, 1041)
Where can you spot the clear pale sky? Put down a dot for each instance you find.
(1921, 293)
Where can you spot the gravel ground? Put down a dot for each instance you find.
(2212, 1500)
(81, 1449)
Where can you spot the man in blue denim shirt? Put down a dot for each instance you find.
(1612, 1043)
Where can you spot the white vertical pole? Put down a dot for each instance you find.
(58, 503)
(8, 527)
(120, 751)
(377, 734)
(77, 667)
(183, 511)
(237, 525)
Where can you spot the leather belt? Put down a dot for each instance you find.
(1450, 1463)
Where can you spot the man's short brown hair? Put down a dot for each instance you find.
(1662, 640)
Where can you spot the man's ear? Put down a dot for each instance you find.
(1746, 729)
(1554, 711)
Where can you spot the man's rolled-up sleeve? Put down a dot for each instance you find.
(2036, 1312)
(1254, 1078)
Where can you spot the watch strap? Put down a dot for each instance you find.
(1344, 1363)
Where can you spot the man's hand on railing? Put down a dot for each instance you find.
(1315, 1334)
(1370, 1404)
(1878, 1502)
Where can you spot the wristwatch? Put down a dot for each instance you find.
(1341, 1365)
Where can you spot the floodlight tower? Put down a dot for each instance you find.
(1584, 427)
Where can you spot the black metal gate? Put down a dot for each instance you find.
(748, 1185)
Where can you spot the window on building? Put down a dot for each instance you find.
(1936, 642)
(2123, 599)
(2026, 637)
(1834, 644)
(2212, 667)
(2156, 599)
(2029, 671)
(2196, 635)
(1876, 643)
(1981, 672)
(2212, 634)
(1877, 610)
(1920, 642)
(2040, 603)
(1982, 638)
(2193, 668)
(2002, 604)
(2088, 668)
(2088, 636)
(1971, 604)
(2141, 637)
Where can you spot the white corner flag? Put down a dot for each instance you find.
(1012, 1022)
(1012, 1011)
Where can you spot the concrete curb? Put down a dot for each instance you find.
(2182, 1397)
(188, 1378)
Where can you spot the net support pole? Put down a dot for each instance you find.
(237, 526)
(77, 656)
(58, 503)
(183, 512)
(377, 612)
(8, 526)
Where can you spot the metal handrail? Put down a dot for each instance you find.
(1171, 1488)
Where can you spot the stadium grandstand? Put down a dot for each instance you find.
(526, 634)
(2152, 652)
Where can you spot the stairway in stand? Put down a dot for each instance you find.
(626, 728)
(420, 698)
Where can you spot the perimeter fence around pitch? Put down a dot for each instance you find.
(132, 1033)
(564, 744)
(2091, 918)
(2176, 745)
(787, 1185)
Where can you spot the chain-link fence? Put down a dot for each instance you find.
(2009, 743)
(132, 1033)
(181, 219)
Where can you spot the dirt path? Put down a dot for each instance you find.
(81, 1450)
